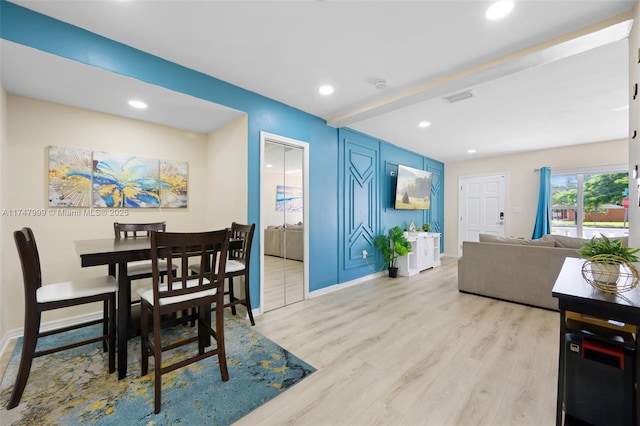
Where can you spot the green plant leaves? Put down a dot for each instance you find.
(604, 245)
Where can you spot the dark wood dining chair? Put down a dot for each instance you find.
(40, 298)
(140, 269)
(238, 266)
(195, 293)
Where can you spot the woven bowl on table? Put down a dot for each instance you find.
(610, 274)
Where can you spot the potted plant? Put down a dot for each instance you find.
(392, 245)
(606, 255)
(426, 227)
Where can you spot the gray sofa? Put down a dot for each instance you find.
(522, 271)
(275, 244)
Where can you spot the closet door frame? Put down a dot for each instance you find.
(265, 138)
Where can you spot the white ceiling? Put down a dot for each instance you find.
(553, 73)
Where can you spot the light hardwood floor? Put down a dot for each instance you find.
(415, 351)
(277, 272)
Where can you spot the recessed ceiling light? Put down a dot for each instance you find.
(269, 166)
(424, 124)
(499, 9)
(325, 90)
(472, 151)
(137, 104)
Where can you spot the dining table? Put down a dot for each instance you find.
(116, 254)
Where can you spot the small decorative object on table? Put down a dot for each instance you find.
(412, 227)
(609, 265)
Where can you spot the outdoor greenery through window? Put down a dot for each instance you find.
(587, 205)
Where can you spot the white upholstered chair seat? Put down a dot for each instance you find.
(233, 266)
(146, 293)
(76, 289)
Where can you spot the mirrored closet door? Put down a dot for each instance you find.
(284, 227)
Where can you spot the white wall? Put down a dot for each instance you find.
(523, 181)
(634, 124)
(3, 196)
(227, 174)
(34, 125)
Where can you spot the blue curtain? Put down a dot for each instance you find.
(543, 218)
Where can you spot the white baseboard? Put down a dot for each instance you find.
(340, 286)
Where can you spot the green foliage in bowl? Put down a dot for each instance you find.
(611, 247)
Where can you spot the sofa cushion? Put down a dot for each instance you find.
(576, 243)
(546, 241)
(569, 242)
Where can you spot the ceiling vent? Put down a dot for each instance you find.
(461, 96)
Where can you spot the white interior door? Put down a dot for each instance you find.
(482, 207)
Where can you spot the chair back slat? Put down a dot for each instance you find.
(179, 249)
(134, 230)
(244, 233)
(30, 262)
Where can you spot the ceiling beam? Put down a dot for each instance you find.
(575, 42)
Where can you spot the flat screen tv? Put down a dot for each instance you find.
(413, 189)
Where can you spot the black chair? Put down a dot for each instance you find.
(195, 293)
(39, 298)
(238, 266)
(141, 269)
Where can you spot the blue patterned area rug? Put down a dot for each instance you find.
(74, 388)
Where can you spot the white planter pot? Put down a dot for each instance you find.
(605, 273)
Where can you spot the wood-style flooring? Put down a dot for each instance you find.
(413, 351)
(283, 282)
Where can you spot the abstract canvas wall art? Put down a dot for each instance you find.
(69, 177)
(173, 183)
(123, 180)
(83, 178)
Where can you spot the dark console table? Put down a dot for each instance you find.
(575, 294)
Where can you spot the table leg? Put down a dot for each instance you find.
(123, 320)
(560, 398)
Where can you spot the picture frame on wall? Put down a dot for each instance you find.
(289, 198)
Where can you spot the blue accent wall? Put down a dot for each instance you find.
(364, 216)
(332, 258)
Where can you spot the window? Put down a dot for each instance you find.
(590, 204)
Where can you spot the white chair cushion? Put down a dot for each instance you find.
(146, 293)
(141, 267)
(76, 289)
(231, 266)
